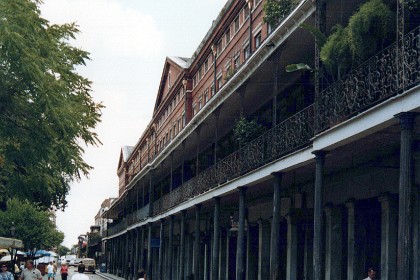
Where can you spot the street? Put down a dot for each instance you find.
(72, 271)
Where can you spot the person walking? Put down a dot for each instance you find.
(55, 269)
(64, 271)
(30, 273)
(50, 271)
(5, 275)
(80, 275)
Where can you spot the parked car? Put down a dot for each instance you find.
(75, 262)
(90, 265)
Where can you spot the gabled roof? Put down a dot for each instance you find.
(183, 62)
(124, 155)
(180, 63)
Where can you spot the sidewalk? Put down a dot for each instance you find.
(109, 276)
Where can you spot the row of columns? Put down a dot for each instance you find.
(326, 262)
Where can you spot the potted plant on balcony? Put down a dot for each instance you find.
(276, 10)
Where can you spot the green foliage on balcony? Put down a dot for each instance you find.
(246, 131)
(276, 10)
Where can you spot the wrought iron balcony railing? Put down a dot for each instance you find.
(117, 227)
(138, 216)
(374, 81)
(291, 134)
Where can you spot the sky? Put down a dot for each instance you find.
(128, 41)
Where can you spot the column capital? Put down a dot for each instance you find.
(198, 207)
(407, 120)
(320, 154)
(350, 203)
(242, 189)
(277, 175)
(216, 199)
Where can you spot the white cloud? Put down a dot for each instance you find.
(128, 32)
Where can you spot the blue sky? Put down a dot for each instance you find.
(128, 41)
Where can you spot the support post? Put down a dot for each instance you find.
(333, 250)
(216, 239)
(149, 251)
(351, 240)
(264, 250)
(292, 248)
(161, 249)
(318, 259)
(182, 244)
(406, 182)
(275, 228)
(389, 218)
(240, 249)
(170, 246)
(197, 242)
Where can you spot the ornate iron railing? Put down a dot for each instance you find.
(370, 83)
(291, 134)
(139, 215)
(117, 228)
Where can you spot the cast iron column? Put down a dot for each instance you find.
(161, 248)
(275, 228)
(240, 249)
(197, 242)
(405, 212)
(149, 251)
(182, 245)
(318, 260)
(216, 239)
(170, 246)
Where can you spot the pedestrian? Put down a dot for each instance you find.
(371, 274)
(55, 269)
(5, 275)
(30, 273)
(80, 275)
(50, 271)
(141, 274)
(64, 271)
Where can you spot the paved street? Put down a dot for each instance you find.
(72, 271)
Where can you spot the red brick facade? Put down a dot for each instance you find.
(187, 84)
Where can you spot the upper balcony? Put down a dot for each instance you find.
(387, 74)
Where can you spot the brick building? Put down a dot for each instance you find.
(327, 191)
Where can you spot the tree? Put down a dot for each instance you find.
(34, 227)
(47, 113)
(62, 250)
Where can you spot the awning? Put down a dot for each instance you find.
(6, 243)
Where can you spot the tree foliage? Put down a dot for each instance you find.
(34, 227)
(62, 250)
(46, 109)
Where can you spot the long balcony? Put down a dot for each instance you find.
(374, 82)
